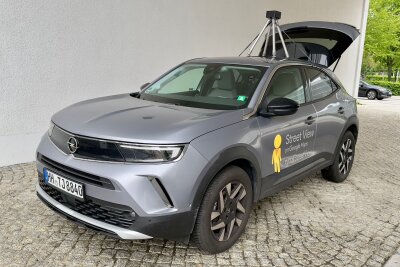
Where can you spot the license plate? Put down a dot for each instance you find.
(63, 184)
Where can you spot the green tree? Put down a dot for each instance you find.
(382, 40)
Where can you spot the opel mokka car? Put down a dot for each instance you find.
(187, 156)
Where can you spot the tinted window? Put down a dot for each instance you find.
(320, 84)
(213, 86)
(287, 83)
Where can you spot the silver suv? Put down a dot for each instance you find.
(188, 155)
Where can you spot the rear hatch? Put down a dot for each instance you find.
(316, 41)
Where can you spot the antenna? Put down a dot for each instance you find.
(272, 24)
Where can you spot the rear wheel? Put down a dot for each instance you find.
(371, 94)
(224, 211)
(343, 162)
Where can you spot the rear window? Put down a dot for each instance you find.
(321, 85)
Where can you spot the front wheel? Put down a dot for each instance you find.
(371, 94)
(224, 211)
(343, 162)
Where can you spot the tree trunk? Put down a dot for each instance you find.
(389, 64)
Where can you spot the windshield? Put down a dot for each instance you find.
(211, 86)
(364, 82)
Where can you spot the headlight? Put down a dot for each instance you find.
(51, 127)
(137, 153)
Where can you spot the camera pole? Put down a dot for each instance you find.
(271, 25)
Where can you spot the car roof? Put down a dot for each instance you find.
(251, 61)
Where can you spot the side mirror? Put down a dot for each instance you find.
(279, 107)
(144, 86)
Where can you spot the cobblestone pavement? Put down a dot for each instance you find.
(312, 223)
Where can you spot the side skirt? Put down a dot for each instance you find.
(294, 178)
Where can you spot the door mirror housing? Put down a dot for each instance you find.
(144, 86)
(279, 107)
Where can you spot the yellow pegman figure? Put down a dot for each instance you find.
(277, 154)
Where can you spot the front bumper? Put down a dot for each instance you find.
(130, 186)
(92, 223)
(385, 94)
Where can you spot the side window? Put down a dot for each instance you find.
(287, 83)
(320, 84)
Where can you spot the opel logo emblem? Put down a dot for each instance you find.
(72, 145)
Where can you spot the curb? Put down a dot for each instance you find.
(394, 260)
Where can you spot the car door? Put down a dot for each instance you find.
(330, 109)
(286, 141)
(362, 89)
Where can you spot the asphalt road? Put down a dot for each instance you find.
(313, 223)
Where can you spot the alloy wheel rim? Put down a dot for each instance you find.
(371, 94)
(228, 211)
(345, 157)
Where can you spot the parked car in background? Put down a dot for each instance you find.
(373, 91)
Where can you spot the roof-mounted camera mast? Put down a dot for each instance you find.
(272, 25)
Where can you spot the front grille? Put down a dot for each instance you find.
(74, 174)
(88, 148)
(115, 214)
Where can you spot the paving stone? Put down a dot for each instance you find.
(312, 223)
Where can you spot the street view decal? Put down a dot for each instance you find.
(296, 148)
(277, 154)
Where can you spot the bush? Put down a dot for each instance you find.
(392, 86)
(376, 77)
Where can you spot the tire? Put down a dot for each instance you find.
(213, 232)
(344, 158)
(371, 94)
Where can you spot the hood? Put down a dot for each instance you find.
(378, 87)
(316, 41)
(128, 119)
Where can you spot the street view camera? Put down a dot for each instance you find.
(271, 28)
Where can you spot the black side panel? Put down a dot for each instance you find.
(217, 164)
(293, 174)
(177, 227)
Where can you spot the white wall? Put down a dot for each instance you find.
(54, 53)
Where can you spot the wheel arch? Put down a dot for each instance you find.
(353, 128)
(239, 156)
(351, 125)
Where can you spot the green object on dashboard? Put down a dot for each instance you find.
(242, 98)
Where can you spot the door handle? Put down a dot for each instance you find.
(309, 120)
(341, 110)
